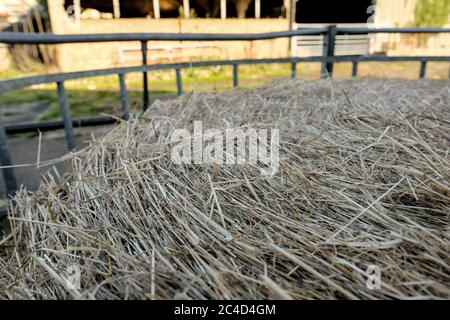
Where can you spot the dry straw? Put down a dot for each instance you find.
(364, 180)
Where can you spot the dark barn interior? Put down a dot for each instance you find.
(171, 8)
(131, 9)
(323, 11)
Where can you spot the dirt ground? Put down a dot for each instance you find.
(24, 152)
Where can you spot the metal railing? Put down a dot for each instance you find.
(68, 124)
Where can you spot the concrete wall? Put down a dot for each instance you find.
(400, 13)
(411, 44)
(104, 55)
(395, 13)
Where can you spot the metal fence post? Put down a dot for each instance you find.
(123, 97)
(67, 119)
(423, 69)
(5, 161)
(328, 51)
(354, 69)
(235, 75)
(293, 70)
(179, 81)
(145, 99)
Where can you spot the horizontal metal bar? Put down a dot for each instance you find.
(391, 30)
(19, 83)
(391, 59)
(42, 126)
(50, 38)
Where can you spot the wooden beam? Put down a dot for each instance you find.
(287, 7)
(257, 9)
(291, 13)
(186, 8)
(156, 10)
(223, 9)
(116, 6)
(77, 10)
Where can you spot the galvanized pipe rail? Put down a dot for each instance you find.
(328, 59)
(20, 83)
(49, 38)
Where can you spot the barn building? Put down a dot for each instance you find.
(230, 16)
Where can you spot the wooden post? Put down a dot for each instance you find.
(40, 26)
(223, 9)
(116, 5)
(156, 11)
(288, 6)
(186, 9)
(257, 9)
(77, 10)
(34, 48)
(290, 14)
